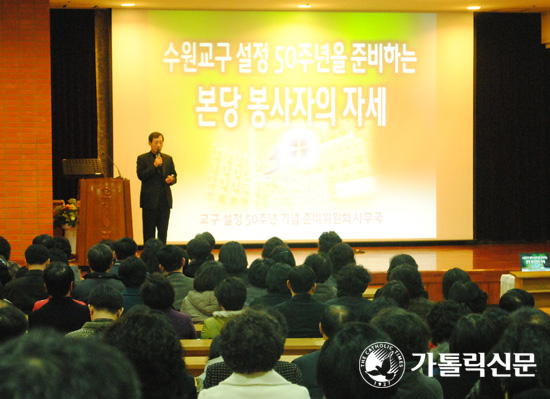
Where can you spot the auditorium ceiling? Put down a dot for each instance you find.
(317, 5)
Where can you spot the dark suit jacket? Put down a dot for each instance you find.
(153, 184)
(308, 366)
(24, 291)
(63, 314)
(302, 314)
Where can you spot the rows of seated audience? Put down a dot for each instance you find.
(113, 329)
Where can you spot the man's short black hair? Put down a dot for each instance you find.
(352, 280)
(13, 322)
(209, 238)
(125, 247)
(155, 135)
(341, 255)
(257, 272)
(58, 277)
(63, 244)
(321, 265)
(473, 333)
(469, 294)
(44, 239)
(48, 365)
(36, 254)
(209, 275)
(132, 272)
(450, 277)
(233, 257)
(269, 245)
(327, 240)
(411, 277)
(301, 279)
(252, 341)
(334, 318)
(283, 254)
(231, 293)
(395, 289)
(157, 292)
(5, 248)
(198, 249)
(516, 298)
(399, 259)
(443, 318)
(100, 258)
(171, 258)
(57, 255)
(105, 297)
(276, 278)
(110, 243)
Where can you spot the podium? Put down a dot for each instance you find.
(105, 213)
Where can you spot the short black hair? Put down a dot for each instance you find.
(233, 257)
(516, 298)
(443, 318)
(270, 244)
(157, 292)
(198, 249)
(110, 243)
(5, 248)
(301, 279)
(57, 255)
(394, 289)
(450, 277)
(105, 297)
(149, 254)
(63, 244)
(321, 265)
(58, 277)
(44, 239)
(341, 255)
(155, 135)
(170, 258)
(283, 254)
(399, 259)
(257, 272)
(48, 365)
(473, 333)
(209, 275)
(334, 318)
(469, 294)
(252, 341)
(327, 240)
(132, 271)
(13, 322)
(100, 258)
(231, 293)
(352, 280)
(411, 277)
(209, 238)
(125, 247)
(276, 278)
(36, 254)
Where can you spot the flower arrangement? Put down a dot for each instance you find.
(66, 214)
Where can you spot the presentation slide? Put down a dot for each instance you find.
(290, 124)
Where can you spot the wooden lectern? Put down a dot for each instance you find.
(105, 213)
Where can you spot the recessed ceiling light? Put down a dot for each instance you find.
(304, 6)
(473, 8)
(127, 4)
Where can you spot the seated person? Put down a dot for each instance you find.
(450, 277)
(257, 274)
(277, 288)
(124, 248)
(301, 311)
(13, 322)
(351, 282)
(199, 251)
(171, 261)
(251, 344)
(231, 295)
(340, 255)
(516, 298)
(132, 272)
(322, 266)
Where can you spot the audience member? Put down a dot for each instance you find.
(277, 288)
(105, 308)
(322, 267)
(233, 258)
(100, 259)
(199, 251)
(149, 254)
(450, 277)
(396, 290)
(283, 254)
(340, 255)
(301, 311)
(411, 277)
(158, 293)
(210, 240)
(148, 339)
(351, 282)
(171, 262)
(516, 298)
(5, 253)
(61, 313)
(470, 295)
(257, 274)
(270, 245)
(44, 364)
(399, 259)
(124, 248)
(333, 320)
(63, 244)
(13, 322)
(132, 272)
(327, 240)
(251, 345)
(231, 296)
(24, 291)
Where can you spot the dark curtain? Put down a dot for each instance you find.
(512, 131)
(74, 108)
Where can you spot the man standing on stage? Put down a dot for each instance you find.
(157, 173)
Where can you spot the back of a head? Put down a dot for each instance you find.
(341, 255)
(233, 257)
(231, 293)
(45, 364)
(450, 277)
(125, 247)
(106, 298)
(301, 279)
(5, 248)
(44, 239)
(352, 280)
(252, 341)
(334, 318)
(516, 298)
(407, 330)
(57, 255)
(13, 323)
(36, 254)
(58, 278)
(198, 249)
(209, 275)
(64, 245)
(110, 243)
(400, 259)
(443, 318)
(411, 277)
(209, 238)
(100, 258)
(469, 294)
(149, 254)
(276, 278)
(395, 289)
(473, 333)
(270, 245)
(283, 254)
(528, 315)
(321, 265)
(171, 258)
(338, 365)
(327, 240)
(257, 272)
(132, 271)
(157, 292)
